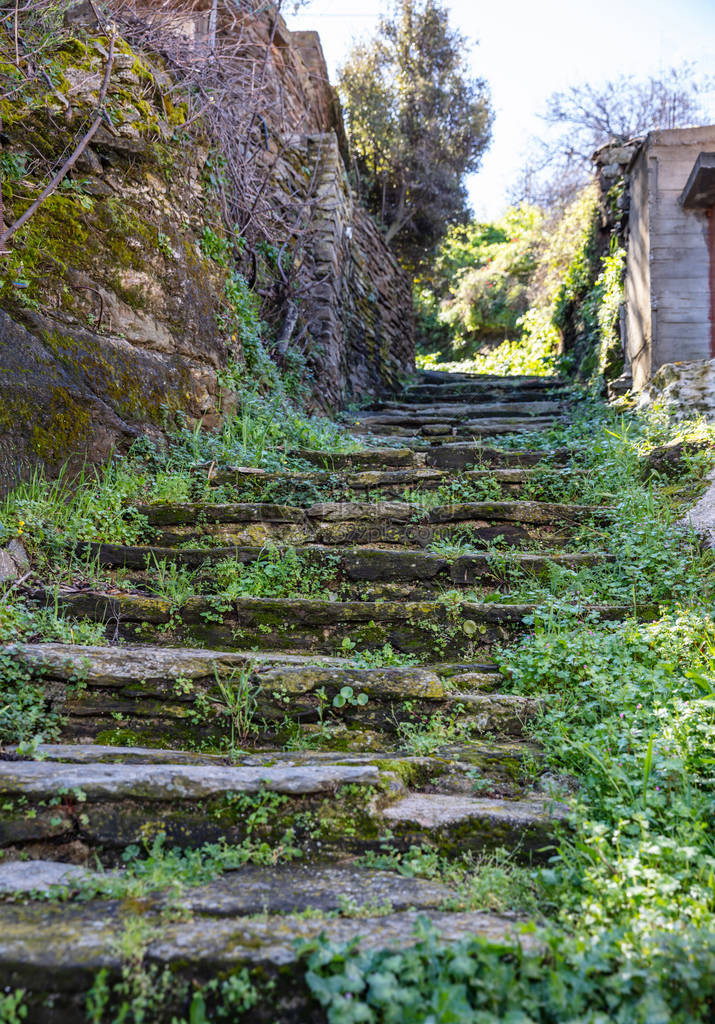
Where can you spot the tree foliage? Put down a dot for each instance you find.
(418, 122)
(479, 279)
(522, 279)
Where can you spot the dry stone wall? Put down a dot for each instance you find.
(363, 329)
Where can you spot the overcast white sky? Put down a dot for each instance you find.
(529, 48)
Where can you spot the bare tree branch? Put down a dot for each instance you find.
(71, 161)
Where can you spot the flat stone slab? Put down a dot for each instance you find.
(296, 888)
(58, 948)
(116, 667)
(39, 876)
(163, 783)
(433, 810)
(99, 753)
(364, 458)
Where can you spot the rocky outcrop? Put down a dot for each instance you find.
(701, 517)
(109, 324)
(687, 388)
(111, 291)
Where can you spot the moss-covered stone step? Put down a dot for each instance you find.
(199, 716)
(446, 427)
(352, 573)
(154, 697)
(445, 379)
(361, 458)
(128, 664)
(295, 888)
(294, 624)
(422, 628)
(108, 806)
(54, 951)
(367, 523)
(505, 768)
(455, 821)
(301, 488)
(428, 394)
(329, 808)
(457, 412)
(460, 456)
(452, 455)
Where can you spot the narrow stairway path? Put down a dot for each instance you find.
(312, 737)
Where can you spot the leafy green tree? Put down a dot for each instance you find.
(477, 286)
(418, 122)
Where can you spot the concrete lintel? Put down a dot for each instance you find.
(699, 192)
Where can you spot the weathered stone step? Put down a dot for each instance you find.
(460, 456)
(464, 428)
(455, 413)
(363, 458)
(39, 781)
(258, 484)
(419, 394)
(179, 711)
(503, 757)
(367, 523)
(253, 889)
(330, 808)
(164, 697)
(288, 624)
(127, 664)
(515, 380)
(455, 455)
(294, 624)
(54, 951)
(524, 824)
(349, 564)
(361, 574)
(504, 766)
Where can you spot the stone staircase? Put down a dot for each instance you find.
(362, 717)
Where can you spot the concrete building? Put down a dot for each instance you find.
(670, 278)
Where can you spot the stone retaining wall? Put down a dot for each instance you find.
(363, 302)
